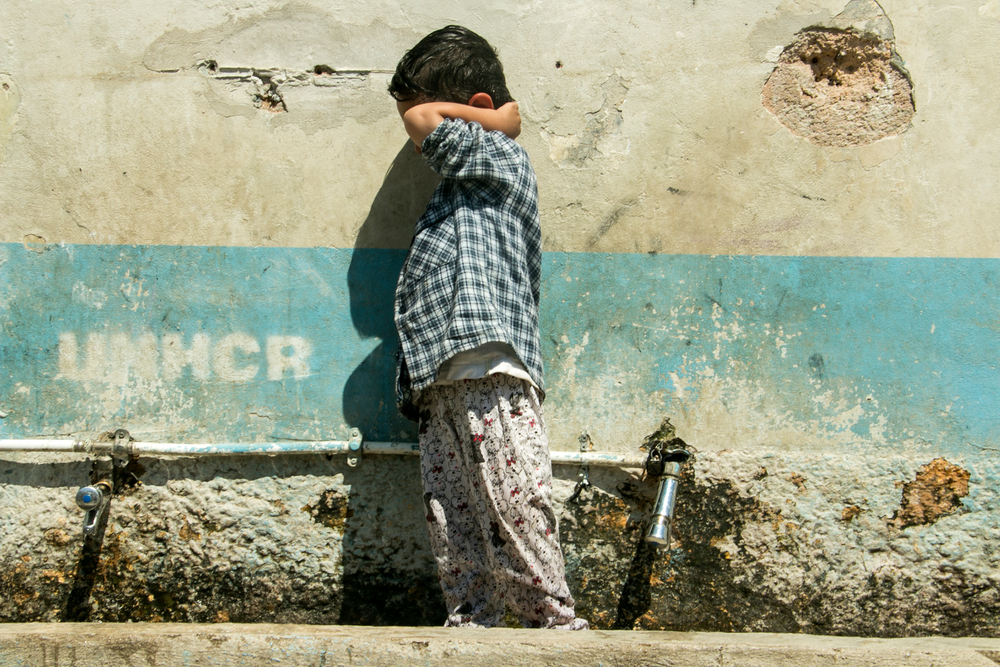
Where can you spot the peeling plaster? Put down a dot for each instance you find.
(267, 88)
(296, 36)
(843, 84)
(602, 137)
(937, 491)
(822, 390)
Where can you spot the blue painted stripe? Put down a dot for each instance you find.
(230, 343)
(907, 346)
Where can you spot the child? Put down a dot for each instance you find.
(470, 369)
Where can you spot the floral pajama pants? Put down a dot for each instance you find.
(487, 482)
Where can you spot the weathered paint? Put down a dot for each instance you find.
(215, 344)
(651, 136)
(203, 210)
(146, 338)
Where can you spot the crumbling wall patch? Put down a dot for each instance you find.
(842, 84)
(265, 83)
(937, 490)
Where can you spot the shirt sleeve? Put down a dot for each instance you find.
(485, 162)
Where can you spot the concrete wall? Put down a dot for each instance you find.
(773, 224)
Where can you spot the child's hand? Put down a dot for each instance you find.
(510, 119)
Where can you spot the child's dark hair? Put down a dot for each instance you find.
(450, 65)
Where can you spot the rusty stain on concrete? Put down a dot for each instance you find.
(850, 513)
(330, 509)
(57, 537)
(745, 558)
(187, 532)
(799, 481)
(936, 491)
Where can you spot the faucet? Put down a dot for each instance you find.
(667, 456)
(93, 499)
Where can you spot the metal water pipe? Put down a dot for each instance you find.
(125, 448)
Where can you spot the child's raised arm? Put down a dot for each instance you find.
(422, 119)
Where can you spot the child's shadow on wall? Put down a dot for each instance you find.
(369, 401)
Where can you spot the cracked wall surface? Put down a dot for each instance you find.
(616, 110)
(601, 137)
(203, 209)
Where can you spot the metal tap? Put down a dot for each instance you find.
(666, 459)
(93, 499)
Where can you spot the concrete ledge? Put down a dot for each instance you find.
(222, 645)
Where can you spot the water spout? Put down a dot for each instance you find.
(667, 456)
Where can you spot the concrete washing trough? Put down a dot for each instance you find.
(224, 645)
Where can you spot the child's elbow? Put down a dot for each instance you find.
(420, 123)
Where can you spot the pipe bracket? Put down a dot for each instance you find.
(120, 447)
(585, 446)
(355, 448)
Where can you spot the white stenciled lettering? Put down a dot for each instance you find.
(225, 362)
(296, 360)
(119, 357)
(96, 357)
(135, 356)
(175, 357)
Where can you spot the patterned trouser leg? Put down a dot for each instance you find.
(488, 494)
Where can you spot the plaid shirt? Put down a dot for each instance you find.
(473, 271)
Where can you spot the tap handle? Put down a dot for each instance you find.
(89, 498)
